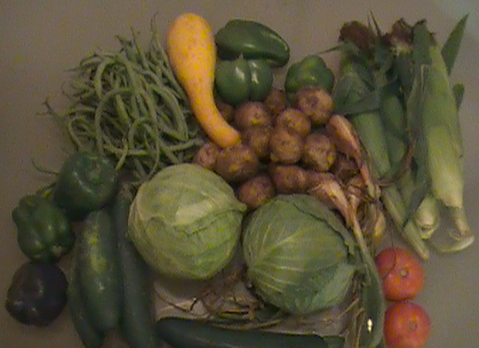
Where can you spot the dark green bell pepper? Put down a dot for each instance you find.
(37, 294)
(86, 182)
(252, 40)
(43, 231)
(240, 80)
(310, 71)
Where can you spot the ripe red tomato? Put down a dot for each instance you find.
(406, 325)
(401, 272)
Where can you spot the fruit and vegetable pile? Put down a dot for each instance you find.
(190, 161)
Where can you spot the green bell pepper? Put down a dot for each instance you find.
(310, 71)
(252, 40)
(43, 231)
(240, 80)
(86, 182)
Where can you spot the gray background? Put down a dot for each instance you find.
(40, 40)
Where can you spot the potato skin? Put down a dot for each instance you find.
(226, 110)
(251, 114)
(285, 146)
(316, 103)
(206, 156)
(256, 191)
(257, 138)
(237, 163)
(293, 119)
(275, 102)
(288, 179)
(319, 153)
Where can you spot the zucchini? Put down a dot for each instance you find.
(187, 333)
(99, 270)
(137, 322)
(89, 335)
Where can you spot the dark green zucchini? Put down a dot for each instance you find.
(89, 335)
(137, 322)
(188, 333)
(99, 270)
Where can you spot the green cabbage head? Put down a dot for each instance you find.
(186, 222)
(300, 256)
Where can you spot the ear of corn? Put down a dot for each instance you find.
(371, 132)
(434, 104)
(427, 217)
(435, 177)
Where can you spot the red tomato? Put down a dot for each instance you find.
(406, 325)
(401, 272)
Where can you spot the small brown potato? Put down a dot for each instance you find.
(285, 146)
(319, 153)
(316, 103)
(288, 179)
(275, 102)
(207, 155)
(295, 120)
(257, 138)
(344, 168)
(226, 110)
(256, 191)
(237, 163)
(250, 114)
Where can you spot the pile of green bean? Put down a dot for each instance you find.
(129, 106)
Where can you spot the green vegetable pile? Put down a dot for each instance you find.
(128, 106)
(83, 212)
(395, 90)
(293, 214)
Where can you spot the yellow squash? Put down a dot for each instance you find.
(192, 53)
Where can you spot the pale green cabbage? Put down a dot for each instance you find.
(300, 257)
(186, 222)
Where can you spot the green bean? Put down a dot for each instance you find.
(174, 106)
(133, 131)
(128, 105)
(121, 110)
(140, 52)
(73, 135)
(124, 154)
(186, 145)
(163, 64)
(98, 117)
(151, 111)
(99, 78)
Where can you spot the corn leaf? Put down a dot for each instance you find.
(458, 91)
(414, 108)
(415, 102)
(453, 43)
(369, 102)
(421, 43)
(404, 69)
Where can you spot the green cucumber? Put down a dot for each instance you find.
(137, 322)
(188, 333)
(89, 335)
(99, 270)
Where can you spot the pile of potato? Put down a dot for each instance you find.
(285, 147)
